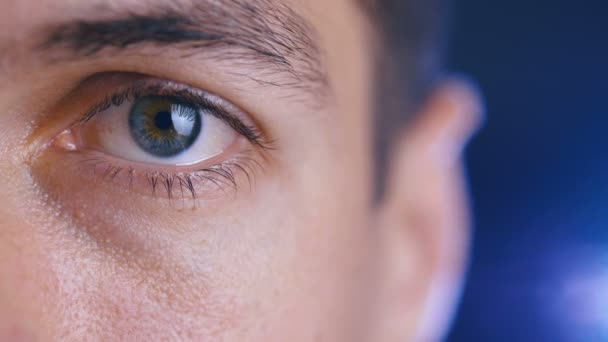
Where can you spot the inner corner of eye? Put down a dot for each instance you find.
(65, 140)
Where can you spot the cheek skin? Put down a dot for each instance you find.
(285, 250)
(242, 283)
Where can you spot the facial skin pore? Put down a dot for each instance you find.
(276, 238)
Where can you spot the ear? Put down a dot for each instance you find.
(424, 216)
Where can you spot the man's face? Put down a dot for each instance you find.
(203, 170)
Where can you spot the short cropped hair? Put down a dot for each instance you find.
(412, 35)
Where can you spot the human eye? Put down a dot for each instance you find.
(164, 138)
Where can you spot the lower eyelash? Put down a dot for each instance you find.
(225, 176)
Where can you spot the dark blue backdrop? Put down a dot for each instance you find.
(539, 169)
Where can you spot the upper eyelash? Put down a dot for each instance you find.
(181, 94)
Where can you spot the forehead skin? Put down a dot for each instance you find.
(282, 262)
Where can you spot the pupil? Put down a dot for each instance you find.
(163, 120)
(164, 126)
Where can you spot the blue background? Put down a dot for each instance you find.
(538, 170)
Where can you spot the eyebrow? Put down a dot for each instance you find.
(267, 35)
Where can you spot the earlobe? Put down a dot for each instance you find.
(425, 212)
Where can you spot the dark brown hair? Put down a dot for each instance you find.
(409, 63)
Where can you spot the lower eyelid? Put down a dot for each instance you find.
(208, 180)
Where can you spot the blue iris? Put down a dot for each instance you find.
(164, 126)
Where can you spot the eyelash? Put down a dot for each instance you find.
(221, 175)
(180, 93)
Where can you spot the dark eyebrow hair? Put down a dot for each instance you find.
(266, 35)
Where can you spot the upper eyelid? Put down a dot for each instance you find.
(182, 92)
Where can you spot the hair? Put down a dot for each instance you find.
(409, 64)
